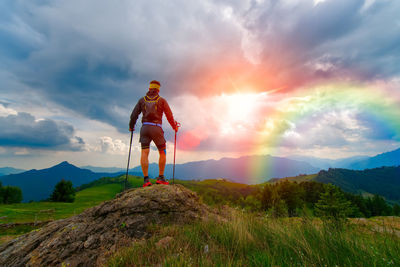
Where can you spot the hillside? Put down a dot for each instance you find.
(86, 239)
(299, 178)
(220, 191)
(38, 184)
(46, 211)
(384, 181)
(169, 226)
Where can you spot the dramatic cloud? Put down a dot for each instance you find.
(23, 130)
(236, 73)
(78, 54)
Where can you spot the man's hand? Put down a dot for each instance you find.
(177, 125)
(131, 129)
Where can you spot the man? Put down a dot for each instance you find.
(152, 106)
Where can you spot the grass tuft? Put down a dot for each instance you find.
(246, 239)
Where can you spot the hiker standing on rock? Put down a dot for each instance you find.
(152, 106)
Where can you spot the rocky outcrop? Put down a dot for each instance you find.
(88, 238)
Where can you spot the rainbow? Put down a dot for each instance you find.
(380, 102)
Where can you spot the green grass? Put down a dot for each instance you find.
(245, 239)
(44, 211)
(220, 191)
(100, 190)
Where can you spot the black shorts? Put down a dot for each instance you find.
(153, 133)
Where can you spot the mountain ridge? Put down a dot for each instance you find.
(37, 185)
(10, 170)
(390, 158)
(246, 169)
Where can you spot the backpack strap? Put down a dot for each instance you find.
(150, 100)
(154, 99)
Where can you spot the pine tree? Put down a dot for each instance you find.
(378, 206)
(291, 193)
(63, 192)
(396, 210)
(332, 206)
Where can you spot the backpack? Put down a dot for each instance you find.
(150, 106)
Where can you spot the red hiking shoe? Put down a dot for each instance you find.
(146, 182)
(161, 180)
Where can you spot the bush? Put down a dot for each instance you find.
(63, 192)
(10, 194)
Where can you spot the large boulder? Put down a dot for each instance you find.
(88, 238)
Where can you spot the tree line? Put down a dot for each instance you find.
(10, 194)
(290, 199)
(63, 192)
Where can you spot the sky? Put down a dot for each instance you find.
(243, 77)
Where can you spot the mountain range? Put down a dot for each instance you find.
(38, 184)
(324, 164)
(9, 170)
(103, 169)
(248, 169)
(391, 158)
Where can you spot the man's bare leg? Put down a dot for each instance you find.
(144, 161)
(161, 162)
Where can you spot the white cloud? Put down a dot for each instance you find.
(4, 111)
(112, 146)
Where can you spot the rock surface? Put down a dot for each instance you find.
(88, 238)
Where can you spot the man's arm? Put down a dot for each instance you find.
(168, 114)
(134, 115)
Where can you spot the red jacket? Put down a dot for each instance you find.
(156, 116)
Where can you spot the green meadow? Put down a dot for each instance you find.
(44, 211)
(248, 239)
(91, 196)
(236, 237)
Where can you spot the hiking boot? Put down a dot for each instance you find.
(146, 182)
(161, 180)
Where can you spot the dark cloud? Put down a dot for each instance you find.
(23, 130)
(96, 58)
(339, 39)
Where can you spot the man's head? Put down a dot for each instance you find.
(155, 85)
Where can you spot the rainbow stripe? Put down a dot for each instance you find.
(380, 102)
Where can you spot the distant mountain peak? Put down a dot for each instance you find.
(64, 164)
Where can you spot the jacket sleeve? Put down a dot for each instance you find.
(135, 114)
(168, 113)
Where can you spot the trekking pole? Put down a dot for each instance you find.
(129, 159)
(173, 169)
